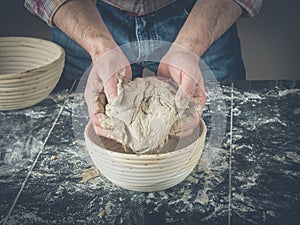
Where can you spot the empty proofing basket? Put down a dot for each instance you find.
(29, 70)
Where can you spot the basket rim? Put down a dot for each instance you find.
(60, 50)
(144, 156)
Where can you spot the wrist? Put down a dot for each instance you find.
(190, 44)
(99, 46)
(184, 50)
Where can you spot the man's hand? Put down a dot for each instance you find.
(81, 21)
(102, 87)
(182, 66)
(207, 21)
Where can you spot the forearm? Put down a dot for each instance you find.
(81, 21)
(208, 20)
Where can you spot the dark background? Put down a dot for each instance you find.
(270, 41)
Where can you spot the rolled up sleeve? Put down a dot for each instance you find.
(45, 9)
(250, 7)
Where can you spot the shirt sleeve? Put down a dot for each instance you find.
(250, 7)
(45, 9)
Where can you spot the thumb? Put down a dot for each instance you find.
(110, 89)
(182, 99)
(93, 87)
(185, 91)
(111, 86)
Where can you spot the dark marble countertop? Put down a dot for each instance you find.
(249, 172)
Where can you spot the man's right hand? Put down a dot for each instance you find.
(102, 88)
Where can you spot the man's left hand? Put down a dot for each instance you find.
(182, 67)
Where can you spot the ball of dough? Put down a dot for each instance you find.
(148, 108)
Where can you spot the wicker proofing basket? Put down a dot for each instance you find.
(29, 70)
(145, 173)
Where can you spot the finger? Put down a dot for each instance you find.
(163, 71)
(104, 132)
(185, 91)
(111, 85)
(100, 131)
(190, 121)
(110, 89)
(128, 74)
(94, 85)
(199, 99)
(185, 133)
(101, 102)
(200, 88)
(181, 133)
(199, 104)
(176, 74)
(199, 91)
(99, 119)
(188, 84)
(95, 119)
(109, 128)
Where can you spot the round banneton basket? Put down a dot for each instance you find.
(146, 173)
(29, 70)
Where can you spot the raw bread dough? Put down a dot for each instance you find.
(148, 108)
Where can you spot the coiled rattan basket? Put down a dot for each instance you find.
(29, 70)
(146, 173)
